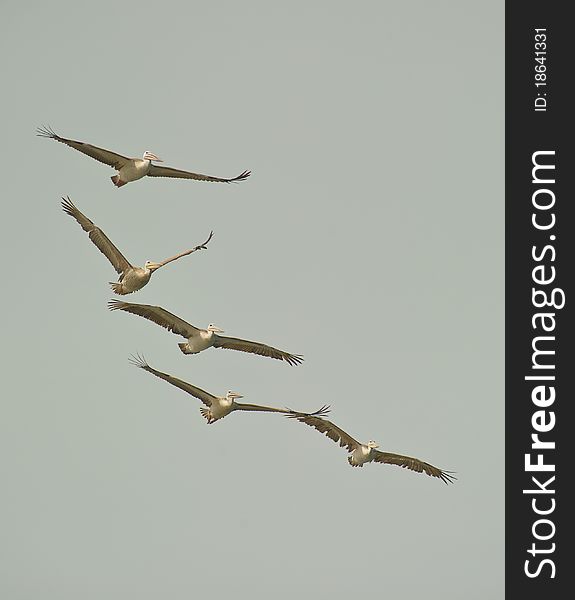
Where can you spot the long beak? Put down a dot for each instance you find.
(216, 330)
(235, 395)
(152, 266)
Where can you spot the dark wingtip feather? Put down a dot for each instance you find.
(240, 177)
(46, 131)
(447, 477)
(115, 304)
(324, 410)
(138, 360)
(293, 359)
(296, 414)
(68, 206)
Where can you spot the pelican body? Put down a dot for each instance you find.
(131, 278)
(218, 407)
(132, 169)
(135, 169)
(199, 339)
(361, 454)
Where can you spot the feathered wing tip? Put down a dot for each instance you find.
(116, 304)
(203, 246)
(447, 476)
(68, 206)
(47, 132)
(293, 359)
(138, 360)
(294, 414)
(240, 177)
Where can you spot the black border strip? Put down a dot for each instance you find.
(529, 131)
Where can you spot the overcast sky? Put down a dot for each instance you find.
(369, 238)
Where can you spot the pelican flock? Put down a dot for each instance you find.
(132, 169)
(201, 339)
(133, 278)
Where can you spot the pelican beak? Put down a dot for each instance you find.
(215, 329)
(152, 156)
(152, 266)
(235, 395)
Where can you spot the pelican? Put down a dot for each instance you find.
(200, 339)
(217, 406)
(131, 169)
(364, 453)
(131, 278)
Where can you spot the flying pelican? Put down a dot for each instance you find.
(200, 339)
(131, 278)
(217, 406)
(131, 169)
(364, 453)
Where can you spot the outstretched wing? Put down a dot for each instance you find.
(158, 315)
(117, 161)
(229, 343)
(413, 464)
(259, 408)
(203, 246)
(333, 432)
(159, 171)
(196, 392)
(97, 236)
(286, 411)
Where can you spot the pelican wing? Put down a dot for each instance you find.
(97, 236)
(158, 315)
(229, 343)
(259, 408)
(286, 411)
(186, 252)
(196, 392)
(117, 161)
(159, 171)
(332, 431)
(413, 464)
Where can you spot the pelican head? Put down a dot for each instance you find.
(211, 327)
(151, 156)
(372, 444)
(233, 395)
(151, 265)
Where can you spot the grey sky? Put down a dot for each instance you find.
(369, 238)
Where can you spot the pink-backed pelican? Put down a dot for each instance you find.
(201, 339)
(217, 407)
(131, 278)
(131, 169)
(364, 453)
